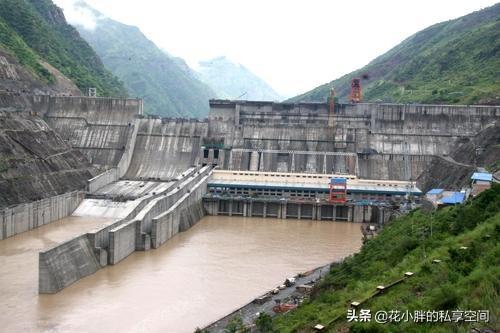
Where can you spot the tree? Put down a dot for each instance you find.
(264, 323)
(236, 325)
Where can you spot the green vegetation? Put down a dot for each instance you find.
(264, 323)
(10, 40)
(167, 84)
(453, 62)
(236, 325)
(466, 278)
(36, 29)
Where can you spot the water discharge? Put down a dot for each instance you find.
(197, 277)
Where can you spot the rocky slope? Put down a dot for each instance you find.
(35, 163)
(454, 171)
(40, 52)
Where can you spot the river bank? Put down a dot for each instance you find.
(289, 296)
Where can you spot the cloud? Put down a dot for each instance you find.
(77, 12)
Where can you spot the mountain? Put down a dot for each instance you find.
(43, 50)
(167, 85)
(231, 80)
(453, 62)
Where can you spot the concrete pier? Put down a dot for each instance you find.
(296, 210)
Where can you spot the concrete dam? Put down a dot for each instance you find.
(152, 177)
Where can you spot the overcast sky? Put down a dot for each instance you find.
(293, 45)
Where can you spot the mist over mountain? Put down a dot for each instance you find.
(167, 85)
(231, 80)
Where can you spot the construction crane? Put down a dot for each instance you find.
(240, 96)
(355, 95)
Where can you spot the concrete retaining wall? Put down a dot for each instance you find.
(96, 110)
(100, 238)
(17, 101)
(103, 179)
(75, 259)
(66, 263)
(180, 217)
(122, 241)
(113, 174)
(128, 153)
(165, 147)
(186, 210)
(101, 128)
(24, 217)
(162, 204)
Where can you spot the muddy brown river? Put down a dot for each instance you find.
(195, 278)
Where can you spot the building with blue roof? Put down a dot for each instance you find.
(435, 191)
(481, 181)
(454, 198)
(481, 176)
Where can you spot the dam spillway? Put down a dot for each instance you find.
(152, 178)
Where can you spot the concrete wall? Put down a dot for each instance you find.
(101, 128)
(66, 263)
(391, 166)
(24, 217)
(122, 241)
(379, 133)
(100, 238)
(24, 102)
(128, 153)
(103, 179)
(162, 204)
(166, 147)
(77, 258)
(186, 210)
(96, 110)
(115, 173)
(184, 214)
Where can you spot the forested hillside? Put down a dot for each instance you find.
(453, 62)
(35, 31)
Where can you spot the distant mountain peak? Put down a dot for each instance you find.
(230, 79)
(166, 83)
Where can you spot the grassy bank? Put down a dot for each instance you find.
(466, 278)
